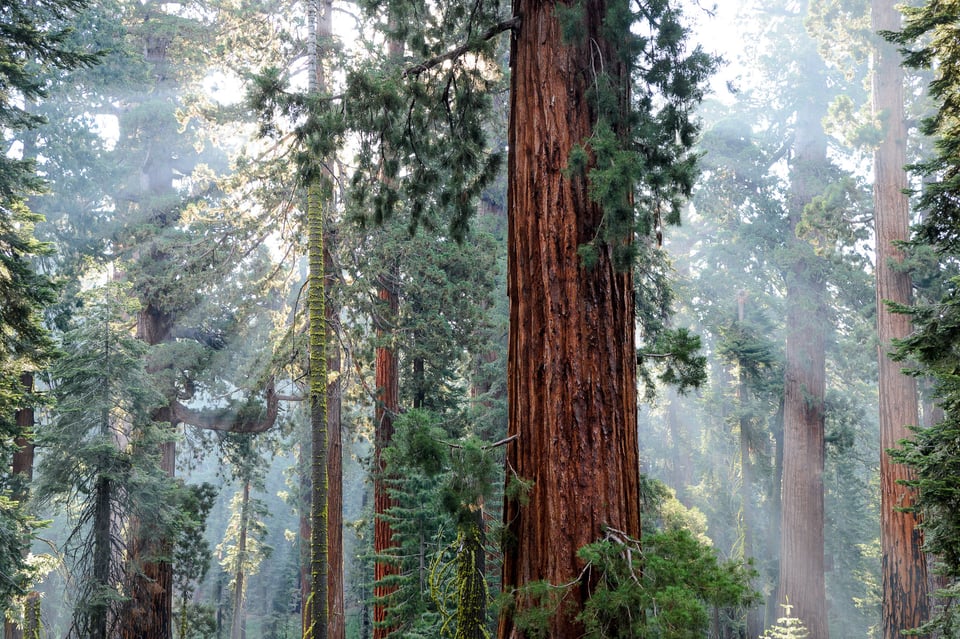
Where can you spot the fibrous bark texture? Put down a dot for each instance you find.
(903, 565)
(572, 359)
(388, 405)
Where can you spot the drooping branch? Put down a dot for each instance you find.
(506, 25)
(245, 420)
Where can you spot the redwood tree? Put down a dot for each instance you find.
(598, 144)
(582, 182)
(802, 556)
(904, 603)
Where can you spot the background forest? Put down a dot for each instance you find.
(258, 347)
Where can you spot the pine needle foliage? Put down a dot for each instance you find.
(787, 627)
(89, 466)
(666, 588)
(34, 37)
(928, 40)
(440, 487)
(432, 112)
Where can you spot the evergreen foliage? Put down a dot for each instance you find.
(666, 588)
(34, 38)
(440, 488)
(97, 462)
(787, 627)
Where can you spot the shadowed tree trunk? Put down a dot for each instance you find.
(237, 625)
(754, 615)
(23, 473)
(904, 564)
(335, 601)
(387, 379)
(572, 358)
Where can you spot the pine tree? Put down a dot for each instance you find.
(104, 402)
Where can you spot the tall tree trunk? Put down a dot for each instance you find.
(773, 610)
(149, 611)
(320, 32)
(904, 564)
(388, 405)
(387, 379)
(318, 423)
(236, 627)
(572, 358)
(335, 601)
(23, 474)
(802, 556)
(754, 620)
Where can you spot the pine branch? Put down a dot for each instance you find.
(506, 25)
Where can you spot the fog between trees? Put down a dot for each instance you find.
(400, 319)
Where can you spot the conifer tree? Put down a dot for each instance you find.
(594, 162)
(928, 42)
(35, 40)
(904, 603)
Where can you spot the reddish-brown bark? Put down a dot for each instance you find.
(336, 628)
(388, 405)
(802, 557)
(22, 470)
(572, 359)
(904, 568)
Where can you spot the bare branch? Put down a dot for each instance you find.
(231, 420)
(506, 25)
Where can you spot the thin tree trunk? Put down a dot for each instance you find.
(236, 627)
(388, 405)
(22, 469)
(335, 600)
(802, 559)
(387, 378)
(572, 358)
(754, 620)
(904, 604)
(772, 612)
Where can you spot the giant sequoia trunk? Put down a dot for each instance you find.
(903, 564)
(572, 359)
(149, 612)
(802, 558)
